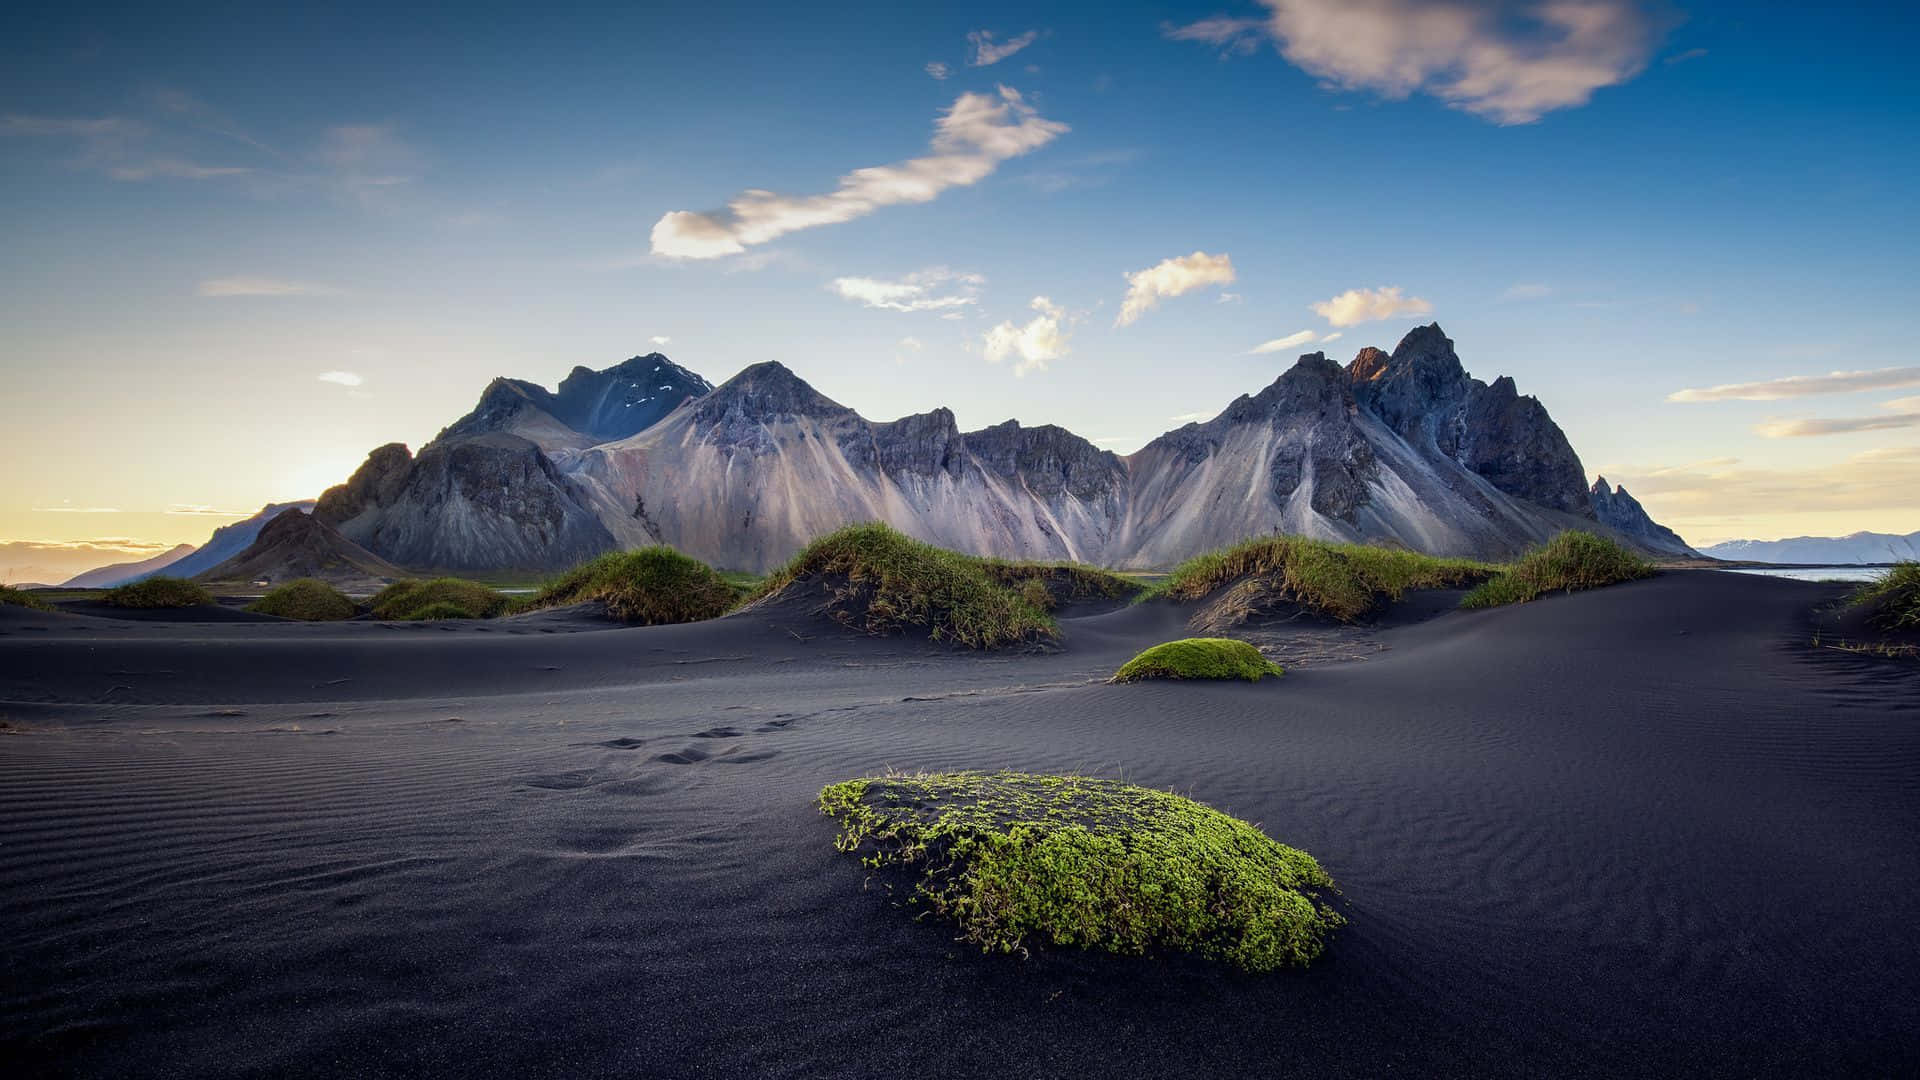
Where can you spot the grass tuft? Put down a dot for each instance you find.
(307, 599)
(440, 598)
(12, 597)
(651, 585)
(1893, 599)
(1199, 658)
(1569, 562)
(1085, 863)
(1341, 581)
(881, 582)
(1045, 586)
(158, 592)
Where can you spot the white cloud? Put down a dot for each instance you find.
(1191, 417)
(1032, 346)
(970, 140)
(1335, 336)
(911, 343)
(341, 378)
(1366, 305)
(1905, 404)
(1171, 277)
(1228, 298)
(987, 52)
(915, 292)
(1793, 386)
(1510, 61)
(1845, 425)
(1279, 344)
(259, 286)
(1526, 291)
(938, 70)
(660, 339)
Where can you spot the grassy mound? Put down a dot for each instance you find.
(1075, 861)
(158, 592)
(651, 585)
(1341, 581)
(881, 582)
(12, 597)
(1569, 562)
(1892, 601)
(1045, 586)
(1199, 658)
(308, 599)
(440, 598)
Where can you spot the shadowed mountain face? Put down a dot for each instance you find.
(298, 545)
(1624, 514)
(1402, 448)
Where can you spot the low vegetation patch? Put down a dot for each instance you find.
(1569, 562)
(440, 598)
(1015, 858)
(881, 582)
(12, 597)
(158, 592)
(1048, 585)
(307, 599)
(650, 585)
(1340, 581)
(1199, 658)
(1892, 601)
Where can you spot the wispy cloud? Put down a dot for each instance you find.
(340, 378)
(987, 51)
(203, 510)
(1796, 386)
(1356, 306)
(1527, 291)
(1681, 58)
(1033, 345)
(971, 139)
(68, 508)
(119, 146)
(1713, 500)
(261, 286)
(660, 339)
(1510, 61)
(1841, 425)
(1172, 277)
(1191, 417)
(938, 70)
(934, 289)
(1281, 344)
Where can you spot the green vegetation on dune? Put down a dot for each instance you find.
(12, 597)
(1341, 581)
(1893, 599)
(650, 585)
(879, 581)
(1073, 861)
(1199, 658)
(307, 599)
(158, 592)
(1569, 562)
(439, 598)
(1047, 585)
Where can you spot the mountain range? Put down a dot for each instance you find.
(1402, 448)
(1860, 547)
(186, 560)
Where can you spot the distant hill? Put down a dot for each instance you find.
(230, 540)
(298, 545)
(1860, 547)
(106, 577)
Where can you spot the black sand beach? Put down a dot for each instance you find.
(1641, 831)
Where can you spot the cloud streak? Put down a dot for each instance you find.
(1842, 425)
(987, 52)
(1172, 277)
(934, 289)
(1281, 344)
(1509, 61)
(1356, 306)
(340, 378)
(1796, 386)
(970, 140)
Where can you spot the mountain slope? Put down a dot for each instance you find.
(298, 545)
(106, 577)
(1621, 511)
(1860, 547)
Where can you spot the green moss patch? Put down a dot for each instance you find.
(1569, 562)
(12, 597)
(1016, 859)
(1046, 586)
(158, 592)
(1892, 601)
(440, 598)
(307, 599)
(878, 581)
(1199, 658)
(649, 586)
(1340, 581)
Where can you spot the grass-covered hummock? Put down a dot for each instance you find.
(1015, 858)
(307, 599)
(439, 598)
(1199, 658)
(1048, 585)
(158, 592)
(650, 585)
(1569, 562)
(12, 597)
(1341, 581)
(1892, 601)
(881, 582)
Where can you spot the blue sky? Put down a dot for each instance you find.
(1609, 200)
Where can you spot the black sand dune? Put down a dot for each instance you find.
(1641, 831)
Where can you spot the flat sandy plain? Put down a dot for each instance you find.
(1642, 831)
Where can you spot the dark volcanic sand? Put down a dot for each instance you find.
(1641, 831)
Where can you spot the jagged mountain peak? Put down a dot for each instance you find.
(765, 392)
